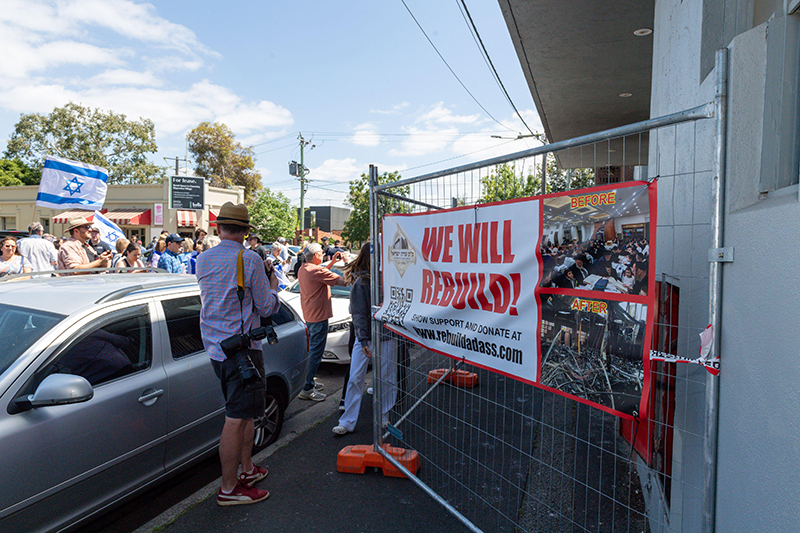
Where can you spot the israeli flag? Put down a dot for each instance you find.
(69, 184)
(109, 232)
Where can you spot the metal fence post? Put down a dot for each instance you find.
(375, 294)
(715, 293)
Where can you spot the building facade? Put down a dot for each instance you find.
(325, 217)
(139, 210)
(653, 59)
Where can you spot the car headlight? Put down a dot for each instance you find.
(339, 326)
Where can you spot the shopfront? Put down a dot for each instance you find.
(141, 211)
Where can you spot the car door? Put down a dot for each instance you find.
(72, 459)
(197, 408)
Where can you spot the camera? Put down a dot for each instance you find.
(236, 346)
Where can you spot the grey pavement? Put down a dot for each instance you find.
(308, 494)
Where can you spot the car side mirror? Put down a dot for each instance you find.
(57, 389)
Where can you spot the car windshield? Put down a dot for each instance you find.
(19, 329)
(340, 291)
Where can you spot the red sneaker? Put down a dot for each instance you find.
(253, 477)
(241, 495)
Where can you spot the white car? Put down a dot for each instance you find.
(336, 349)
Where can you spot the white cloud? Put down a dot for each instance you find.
(43, 35)
(21, 58)
(394, 110)
(442, 115)
(125, 77)
(337, 170)
(137, 21)
(172, 63)
(172, 111)
(256, 115)
(422, 142)
(366, 135)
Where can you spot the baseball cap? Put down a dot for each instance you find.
(281, 239)
(173, 237)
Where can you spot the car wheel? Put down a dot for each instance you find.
(268, 427)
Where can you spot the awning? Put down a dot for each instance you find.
(187, 219)
(126, 217)
(64, 217)
(213, 213)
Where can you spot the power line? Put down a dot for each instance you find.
(276, 139)
(449, 68)
(459, 156)
(488, 60)
(274, 149)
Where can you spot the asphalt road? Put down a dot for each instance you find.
(145, 507)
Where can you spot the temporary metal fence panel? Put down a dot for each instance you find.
(506, 455)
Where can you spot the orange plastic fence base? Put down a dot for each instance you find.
(459, 378)
(356, 459)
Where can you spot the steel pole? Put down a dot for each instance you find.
(715, 293)
(302, 186)
(696, 113)
(375, 294)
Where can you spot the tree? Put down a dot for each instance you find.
(559, 180)
(503, 183)
(14, 172)
(273, 215)
(222, 160)
(87, 135)
(357, 227)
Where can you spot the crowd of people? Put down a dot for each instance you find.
(568, 265)
(82, 249)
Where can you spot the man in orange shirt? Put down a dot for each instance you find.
(315, 300)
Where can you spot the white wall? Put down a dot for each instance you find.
(758, 467)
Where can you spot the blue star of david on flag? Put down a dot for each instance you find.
(73, 186)
(109, 232)
(70, 184)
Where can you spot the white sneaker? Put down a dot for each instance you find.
(369, 390)
(312, 395)
(340, 430)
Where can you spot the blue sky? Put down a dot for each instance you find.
(357, 78)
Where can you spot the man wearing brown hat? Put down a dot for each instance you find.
(72, 255)
(223, 315)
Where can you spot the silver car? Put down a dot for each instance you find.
(105, 388)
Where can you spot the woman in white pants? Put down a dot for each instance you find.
(356, 273)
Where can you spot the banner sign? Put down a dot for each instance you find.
(553, 290)
(187, 192)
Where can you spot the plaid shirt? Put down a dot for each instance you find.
(171, 263)
(220, 316)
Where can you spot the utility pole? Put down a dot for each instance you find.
(177, 159)
(301, 171)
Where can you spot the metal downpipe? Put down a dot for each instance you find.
(715, 293)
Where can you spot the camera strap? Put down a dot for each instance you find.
(240, 286)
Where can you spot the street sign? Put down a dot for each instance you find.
(187, 192)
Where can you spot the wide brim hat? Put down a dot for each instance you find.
(234, 215)
(76, 222)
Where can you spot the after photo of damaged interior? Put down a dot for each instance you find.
(592, 349)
